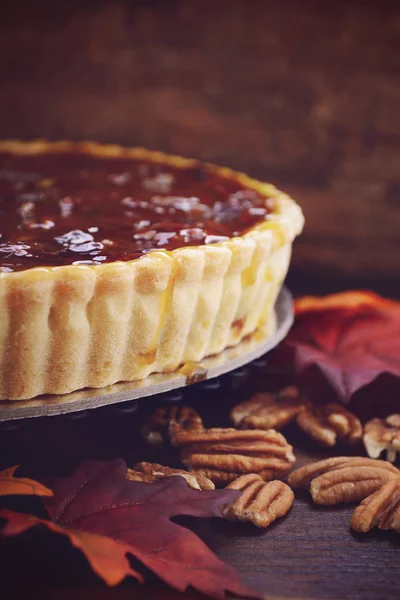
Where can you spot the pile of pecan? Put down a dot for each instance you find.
(327, 424)
(249, 460)
(220, 454)
(351, 479)
(253, 458)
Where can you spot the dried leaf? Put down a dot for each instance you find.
(106, 556)
(20, 486)
(352, 337)
(107, 517)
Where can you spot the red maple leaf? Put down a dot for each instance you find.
(107, 517)
(20, 486)
(352, 337)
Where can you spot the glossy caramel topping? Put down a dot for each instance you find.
(73, 208)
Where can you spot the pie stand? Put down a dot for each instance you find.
(166, 387)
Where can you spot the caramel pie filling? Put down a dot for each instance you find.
(73, 208)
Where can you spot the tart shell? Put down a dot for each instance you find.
(74, 326)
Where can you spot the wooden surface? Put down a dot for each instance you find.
(309, 554)
(304, 94)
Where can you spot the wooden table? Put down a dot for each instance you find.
(310, 554)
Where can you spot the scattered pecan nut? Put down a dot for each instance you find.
(224, 454)
(150, 472)
(260, 503)
(165, 421)
(302, 477)
(328, 424)
(348, 484)
(382, 509)
(267, 410)
(183, 421)
(343, 479)
(381, 435)
(134, 475)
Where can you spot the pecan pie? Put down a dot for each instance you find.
(116, 263)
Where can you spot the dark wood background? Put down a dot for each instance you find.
(303, 93)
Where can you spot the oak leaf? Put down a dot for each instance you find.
(352, 337)
(20, 486)
(109, 517)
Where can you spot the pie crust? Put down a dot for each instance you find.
(68, 327)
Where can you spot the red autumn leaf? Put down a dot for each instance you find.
(20, 486)
(107, 517)
(352, 337)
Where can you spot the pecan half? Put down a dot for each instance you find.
(165, 421)
(150, 472)
(133, 475)
(260, 503)
(348, 484)
(302, 477)
(381, 435)
(329, 423)
(224, 454)
(183, 421)
(381, 509)
(268, 411)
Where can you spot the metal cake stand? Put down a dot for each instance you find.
(247, 351)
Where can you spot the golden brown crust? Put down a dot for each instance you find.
(68, 327)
